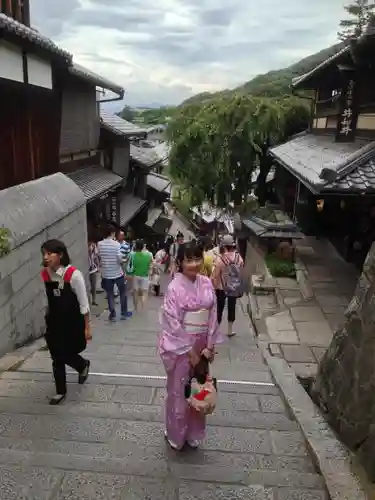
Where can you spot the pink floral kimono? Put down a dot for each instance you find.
(188, 319)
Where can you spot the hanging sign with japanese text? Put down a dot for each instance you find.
(114, 208)
(348, 116)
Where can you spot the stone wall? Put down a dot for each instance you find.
(345, 385)
(51, 207)
(254, 262)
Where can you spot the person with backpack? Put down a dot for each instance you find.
(67, 316)
(227, 279)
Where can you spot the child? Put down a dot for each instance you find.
(67, 316)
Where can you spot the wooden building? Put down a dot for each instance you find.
(326, 176)
(158, 193)
(130, 162)
(30, 106)
(80, 156)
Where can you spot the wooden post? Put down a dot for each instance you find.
(8, 7)
(25, 12)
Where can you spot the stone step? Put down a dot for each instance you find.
(46, 483)
(150, 462)
(104, 380)
(223, 416)
(250, 360)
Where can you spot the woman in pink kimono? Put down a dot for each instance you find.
(189, 330)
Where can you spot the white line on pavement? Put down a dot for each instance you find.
(162, 377)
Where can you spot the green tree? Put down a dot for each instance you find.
(216, 146)
(296, 115)
(360, 12)
(128, 114)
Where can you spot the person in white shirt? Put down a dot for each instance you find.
(111, 260)
(67, 316)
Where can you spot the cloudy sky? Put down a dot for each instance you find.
(167, 50)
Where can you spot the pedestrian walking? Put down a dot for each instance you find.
(125, 248)
(189, 330)
(94, 265)
(113, 274)
(156, 270)
(208, 261)
(67, 317)
(173, 252)
(227, 279)
(139, 269)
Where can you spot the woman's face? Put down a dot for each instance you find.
(191, 266)
(51, 259)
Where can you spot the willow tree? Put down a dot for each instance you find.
(296, 115)
(217, 146)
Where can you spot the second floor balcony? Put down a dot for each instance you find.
(16, 9)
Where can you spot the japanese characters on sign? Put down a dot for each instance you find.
(347, 119)
(114, 214)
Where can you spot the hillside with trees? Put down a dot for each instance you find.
(272, 84)
(275, 83)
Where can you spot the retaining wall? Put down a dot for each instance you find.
(51, 207)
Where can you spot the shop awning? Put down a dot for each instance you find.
(159, 182)
(159, 222)
(95, 181)
(153, 216)
(130, 206)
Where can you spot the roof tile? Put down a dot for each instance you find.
(95, 79)
(307, 155)
(95, 181)
(158, 182)
(120, 126)
(10, 25)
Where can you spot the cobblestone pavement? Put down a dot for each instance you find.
(106, 440)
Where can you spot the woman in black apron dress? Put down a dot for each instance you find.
(67, 316)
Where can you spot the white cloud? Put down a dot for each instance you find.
(165, 51)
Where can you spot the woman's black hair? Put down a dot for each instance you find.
(57, 246)
(139, 244)
(190, 250)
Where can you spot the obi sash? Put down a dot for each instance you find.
(196, 322)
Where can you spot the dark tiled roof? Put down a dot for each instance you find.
(10, 25)
(95, 181)
(158, 182)
(300, 80)
(145, 156)
(120, 126)
(310, 157)
(95, 79)
(361, 179)
(130, 205)
(266, 229)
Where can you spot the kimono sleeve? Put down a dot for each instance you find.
(173, 337)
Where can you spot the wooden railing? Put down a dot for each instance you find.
(17, 9)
